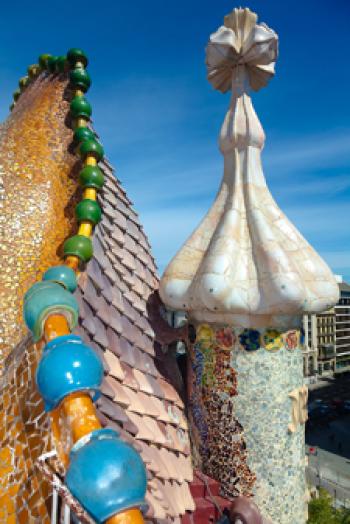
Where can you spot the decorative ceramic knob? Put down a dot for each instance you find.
(244, 511)
(91, 176)
(79, 246)
(44, 299)
(51, 63)
(61, 63)
(88, 210)
(77, 55)
(43, 60)
(80, 79)
(67, 366)
(33, 70)
(83, 133)
(16, 95)
(106, 475)
(63, 275)
(92, 147)
(23, 82)
(80, 108)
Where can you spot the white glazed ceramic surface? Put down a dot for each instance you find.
(245, 264)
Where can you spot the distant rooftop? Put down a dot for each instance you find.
(344, 286)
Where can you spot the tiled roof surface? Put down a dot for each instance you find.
(118, 309)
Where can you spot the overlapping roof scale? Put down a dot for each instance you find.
(137, 400)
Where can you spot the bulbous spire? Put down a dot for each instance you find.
(245, 264)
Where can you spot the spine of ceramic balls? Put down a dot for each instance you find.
(248, 408)
(106, 475)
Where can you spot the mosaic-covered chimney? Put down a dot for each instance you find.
(245, 277)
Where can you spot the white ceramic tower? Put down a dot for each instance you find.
(245, 277)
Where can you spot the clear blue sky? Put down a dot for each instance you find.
(158, 117)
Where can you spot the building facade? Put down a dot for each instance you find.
(327, 339)
(342, 326)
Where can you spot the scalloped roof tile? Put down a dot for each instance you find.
(136, 399)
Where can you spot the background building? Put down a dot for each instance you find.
(327, 339)
(342, 326)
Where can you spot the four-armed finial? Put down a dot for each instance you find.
(241, 42)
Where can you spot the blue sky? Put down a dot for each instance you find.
(159, 118)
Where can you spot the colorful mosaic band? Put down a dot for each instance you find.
(247, 405)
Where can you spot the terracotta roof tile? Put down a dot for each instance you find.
(111, 199)
(136, 405)
(129, 377)
(128, 260)
(120, 220)
(170, 393)
(164, 429)
(100, 332)
(103, 311)
(150, 408)
(116, 368)
(185, 462)
(128, 329)
(106, 289)
(145, 326)
(126, 210)
(157, 510)
(107, 422)
(134, 230)
(112, 410)
(158, 435)
(169, 494)
(153, 488)
(180, 498)
(99, 252)
(130, 243)
(184, 441)
(150, 457)
(177, 445)
(88, 318)
(108, 210)
(158, 489)
(128, 309)
(117, 299)
(145, 343)
(111, 274)
(106, 388)
(139, 287)
(156, 389)
(106, 224)
(113, 341)
(139, 362)
(163, 414)
(128, 353)
(95, 274)
(164, 473)
(143, 382)
(118, 390)
(115, 320)
(173, 412)
(113, 293)
(129, 274)
(148, 365)
(140, 270)
(118, 235)
(144, 432)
